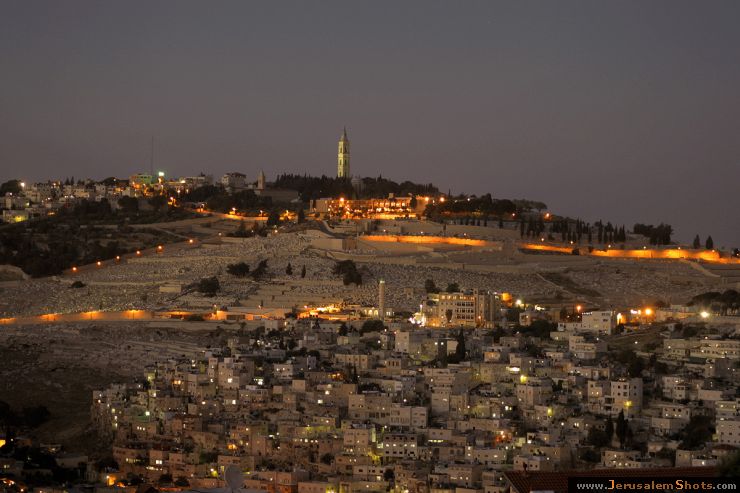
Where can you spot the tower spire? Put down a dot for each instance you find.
(343, 156)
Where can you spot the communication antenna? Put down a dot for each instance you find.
(234, 478)
(151, 159)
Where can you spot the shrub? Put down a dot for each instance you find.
(373, 325)
(348, 270)
(209, 286)
(260, 270)
(240, 269)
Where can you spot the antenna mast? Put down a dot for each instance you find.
(151, 159)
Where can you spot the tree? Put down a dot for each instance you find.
(157, 202)
(11, 186)
(353, 376)
(240, 269)
(460, 350)
(208, 457)
(658, 235)
(165, 478)
(348, 270)
(260, 270)
(597, 437)
(635, 367)
(448, 315)
(697, 242)
(730, 466)
(621, 428)
(273, 219)
(697, 432)
(241, 231)
(35, 416)
(710, 243)
(372, 325)
(430, 287)
(453, 288)
(303, 272)
(300, 216)
(609, 428)
(208, 286)
(497, 333)
(129, 204)
(590, 455)
(289, 269)
(343, 329)
(539, 328)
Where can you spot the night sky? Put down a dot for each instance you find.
(624, 111)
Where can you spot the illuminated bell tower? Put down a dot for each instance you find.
(343, 156)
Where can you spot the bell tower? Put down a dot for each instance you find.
(343, 156)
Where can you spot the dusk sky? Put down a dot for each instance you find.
(625, 111)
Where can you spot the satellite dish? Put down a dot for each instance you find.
(234, 478)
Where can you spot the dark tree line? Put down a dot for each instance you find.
(658, 235)
(723, 303)
(480, 206)
(242, 201)
(348, 270)
(314, 187)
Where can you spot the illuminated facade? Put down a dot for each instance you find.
(386, 208)
(140, 180)
(343, 156)
(473, 309)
